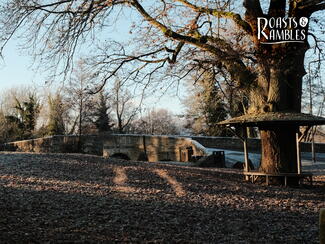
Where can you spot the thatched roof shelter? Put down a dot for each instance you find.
(275, 119)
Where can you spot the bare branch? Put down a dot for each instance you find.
(232, 63)
(314, 7)
(220, 14)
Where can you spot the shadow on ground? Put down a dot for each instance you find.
(80, 198)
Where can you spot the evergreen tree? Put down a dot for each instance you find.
(213, 110)
(26, 116)
(32, 108)
(102, 121)
(206, 108)
(9, 130)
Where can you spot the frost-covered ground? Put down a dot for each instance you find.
(318, 168)
(75, 198)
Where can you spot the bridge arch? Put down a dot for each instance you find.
(120, 156)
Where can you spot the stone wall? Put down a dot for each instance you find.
(165, 147)
(152, 148)
(91, 144)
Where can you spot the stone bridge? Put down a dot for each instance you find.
(138, 147)
(153, 148)
(134, 147)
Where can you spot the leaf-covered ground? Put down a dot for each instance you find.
(55, 198)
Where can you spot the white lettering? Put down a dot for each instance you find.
(280, 30)
(303, 35)
(261, 30)
(287, 35)
(295, 23)
(272, 22)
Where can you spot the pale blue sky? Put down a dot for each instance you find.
(16, 70)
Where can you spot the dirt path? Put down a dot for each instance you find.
(80, 198)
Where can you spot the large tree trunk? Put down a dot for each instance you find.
(280, 91)
(279, 150)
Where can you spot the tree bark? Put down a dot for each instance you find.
(278, 87)
(281, 91)
(279, 153)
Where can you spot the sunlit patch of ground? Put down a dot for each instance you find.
(81, 198)
(177, 187)
(120, 180)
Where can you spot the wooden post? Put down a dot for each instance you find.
(298, 154)
(313, 154)
(244, 140)
(298, 140)
(245, 151)
(322, 226)
(246, 155)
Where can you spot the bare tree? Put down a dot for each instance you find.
(157, 122)
(193, 35)
(122, 102)
(79, 99)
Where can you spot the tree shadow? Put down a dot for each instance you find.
(40, 216)
(66, 198)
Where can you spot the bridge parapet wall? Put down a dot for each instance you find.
(162, 146)
(58, 144)
(154, 148)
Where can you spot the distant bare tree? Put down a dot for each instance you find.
(123, 106)
(79, 98)
(158, 122)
